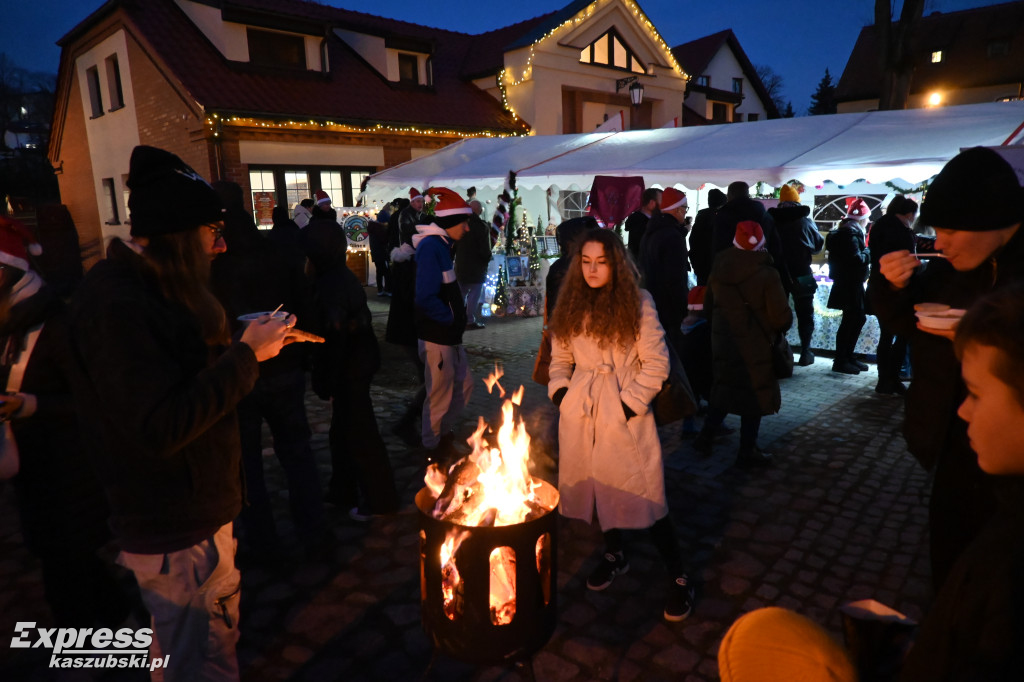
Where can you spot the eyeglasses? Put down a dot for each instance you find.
(218, 232)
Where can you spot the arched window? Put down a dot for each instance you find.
(611, 51)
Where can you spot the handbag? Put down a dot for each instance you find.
(675, 400)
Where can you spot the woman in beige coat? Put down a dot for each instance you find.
(608, 361)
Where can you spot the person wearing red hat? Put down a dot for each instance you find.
(156, 381)
(663, 263)
(848, 260)
(60, 501)
(748, 305)
(441, 321)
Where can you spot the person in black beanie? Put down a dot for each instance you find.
(156, 378)
(979, 236)
(701, 236)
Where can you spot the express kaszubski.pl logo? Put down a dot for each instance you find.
(90, 648)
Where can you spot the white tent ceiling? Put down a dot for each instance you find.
(878, 146)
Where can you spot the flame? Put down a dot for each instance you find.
(451, 581)
(491, 380)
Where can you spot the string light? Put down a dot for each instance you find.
(238, 121)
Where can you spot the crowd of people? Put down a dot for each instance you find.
(147, 393)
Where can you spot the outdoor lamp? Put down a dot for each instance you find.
(636, 89)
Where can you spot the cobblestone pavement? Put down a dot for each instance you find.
(840, 516)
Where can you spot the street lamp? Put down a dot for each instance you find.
(636, 89)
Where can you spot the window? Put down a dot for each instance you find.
(331, 182)
(408, 68)
(110, 198)
(572, 204)
(611, 51)
(92, 76)
(753, 117)
(261, 181)
(937, 56)
(125, 193)
(998, 48)
(296, 187)
(268, 48)
(704, 81)
(719, 112)
(737, 85)
(114, 83)
(357, 177)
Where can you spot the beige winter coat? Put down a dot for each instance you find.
(605, 461)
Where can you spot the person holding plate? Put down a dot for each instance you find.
(976, 205)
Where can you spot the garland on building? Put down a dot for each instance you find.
(920, 189)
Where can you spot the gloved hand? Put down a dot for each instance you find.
(559, 396)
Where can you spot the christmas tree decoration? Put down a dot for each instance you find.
(534, 262)
(500, 304)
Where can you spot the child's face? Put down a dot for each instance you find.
(994, 415)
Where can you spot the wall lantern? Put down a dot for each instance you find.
(636, 89)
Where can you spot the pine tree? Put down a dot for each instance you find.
(534, 261)
(823, 101)
(788, 113)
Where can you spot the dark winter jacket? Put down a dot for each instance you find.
(848, 262)
(60, 499)
(701, 237)
(440, 312)
(663, 267)
(473, 253)
(745, 208)
(800, 237)
(635, 226)
(159, 405)
(747, 302)
(887, 235)
(975, 629)
(931, 426)
(378, 233)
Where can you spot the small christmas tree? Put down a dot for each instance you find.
(501, 292)
(534, 262)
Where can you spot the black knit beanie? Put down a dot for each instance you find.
(167, 196)
(976, 191)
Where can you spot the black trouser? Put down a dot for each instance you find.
(383, 268)
(849, 331)
(664, 535)
(360, 468)
(892, 351)
(750, 425)
(804, 307)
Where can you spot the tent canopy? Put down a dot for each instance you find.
(880, 146)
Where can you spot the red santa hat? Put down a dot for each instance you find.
(322, 197)
(856, 208)
(447, 207)
(414, 194)
(671, 199)
(16, 243)
(695, 299)
(749, 236)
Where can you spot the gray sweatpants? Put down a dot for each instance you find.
(448, 384)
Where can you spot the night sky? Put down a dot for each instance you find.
(798, 39)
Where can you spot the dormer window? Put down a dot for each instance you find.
(610, 50)
(269, 48)
(408, 69)
(938, 56)
(998, 48)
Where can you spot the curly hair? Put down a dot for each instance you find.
(610, 314)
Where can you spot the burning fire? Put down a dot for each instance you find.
(492, 486)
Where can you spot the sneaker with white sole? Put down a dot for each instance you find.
(679, 604)
(611, 565)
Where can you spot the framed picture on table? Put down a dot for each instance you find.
(515, 267)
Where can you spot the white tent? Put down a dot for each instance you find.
(876, 147)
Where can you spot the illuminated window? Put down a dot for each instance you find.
(937, 57)
(611, 51)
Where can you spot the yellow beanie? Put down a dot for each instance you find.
(788, 193)
(777, 645)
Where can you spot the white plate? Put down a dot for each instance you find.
(249, 317)
(943, 320)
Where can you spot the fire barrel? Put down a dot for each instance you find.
(518, 560)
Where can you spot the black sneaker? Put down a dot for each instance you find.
(679, 604)
(611, 565)
(845, 367)
(858, 364)
(806, 359)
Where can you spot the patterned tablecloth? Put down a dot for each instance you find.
(826, 323)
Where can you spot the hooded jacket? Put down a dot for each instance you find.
(440, 312)
(800, 237)
(848, 261)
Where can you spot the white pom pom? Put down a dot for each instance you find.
(752, 240)
(35, 249)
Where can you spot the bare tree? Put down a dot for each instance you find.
(773, 84)
(894, 56)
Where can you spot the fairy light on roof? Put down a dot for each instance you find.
(248, 122)
(506, 79)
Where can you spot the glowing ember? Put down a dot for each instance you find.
(491, 486)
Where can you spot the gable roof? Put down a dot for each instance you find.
(963, 37)
(452, 103)
(696, 55)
